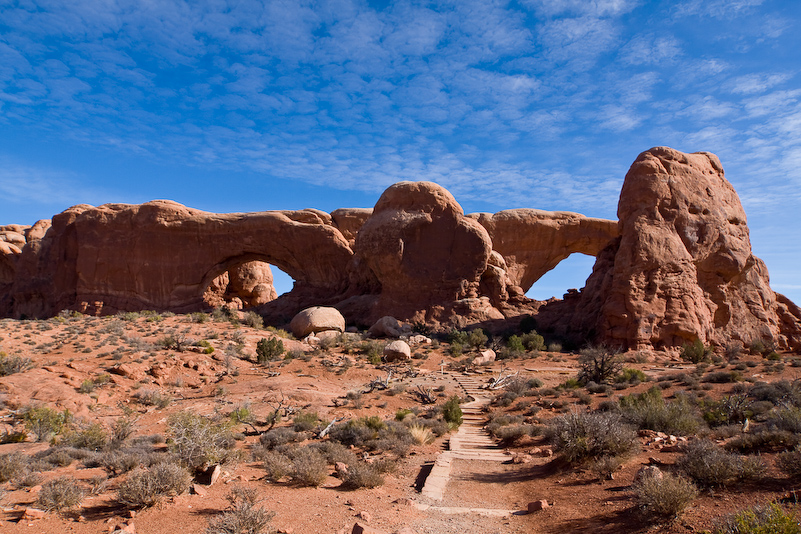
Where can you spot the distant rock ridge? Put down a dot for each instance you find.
(677, 266)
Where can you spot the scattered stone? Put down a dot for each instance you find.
(31, 514)
(536, 506)
(359, 528)
(364, 515)
(197, 489)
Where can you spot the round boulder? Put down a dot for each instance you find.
(397, 351)
(316, 319)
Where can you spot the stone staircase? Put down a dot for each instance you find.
(471, 442)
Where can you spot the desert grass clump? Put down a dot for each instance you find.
(666, 496)
(92, 437)
(584, 436)
(147, 487)
(152, 397)
(60, 493)
(253, 320)
(12, 465)
(421, 435)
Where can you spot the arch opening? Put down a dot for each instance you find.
(244, 282)
(571, 272)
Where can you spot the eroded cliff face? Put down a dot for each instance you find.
(676, 267)
(682, 268)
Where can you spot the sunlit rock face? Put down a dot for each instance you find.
(676, 267)
(682, 268)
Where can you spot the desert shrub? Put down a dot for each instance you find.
(477, 339)
(648, 410)
(363, 475)
(771, 519)
(152, 397)
(598, 364)
(199, 441)
(44, 422)
(334, 452)
(583, 436)
(177, 343)
(790, 462)
(276, 465)
(781, 392)
(57, 457)
(509, 435)
(242, 517)
(695, 352)
(305, 421)
(788, 419)
(93, 437)
(401, 414)
(279, 436)
(722, 377)
(269, 349)
(763, 440)
(12, 465)
(709, 465)
(757, 346)
(631, 376)
(451, 412)
(533, 341)
(13, 364)
(253, 320)
(515, 344)
(117, 462)
(728, 410)
(60, 494)
(147, 487)
(665, 496)
(554, 347)
(373, 434)
(199, 317)
(309, 467)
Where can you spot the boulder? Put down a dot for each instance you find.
(647, 472)
(388, 326)
(484, 357)
(316, 319)
(397, 351)
(536, 506)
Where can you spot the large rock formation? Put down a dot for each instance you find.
(676, 267)
(682, 268)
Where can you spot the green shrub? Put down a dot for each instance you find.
(93, 437)
(728, 410)
(451, 411)
(771, 519)
(515, 344)
(598, 364)
(305, 421)
(631, 376)
(268, 350)
(583, 436)
(147, 487)
(695, 352)
(59, 494)
(648, 410)
(533, 341)
(477, 339)
(665, 496)
(44, 422)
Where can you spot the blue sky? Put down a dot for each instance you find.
(248, 106)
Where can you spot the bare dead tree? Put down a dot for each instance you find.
(425, 395)
(330, 425)
(502, 380)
